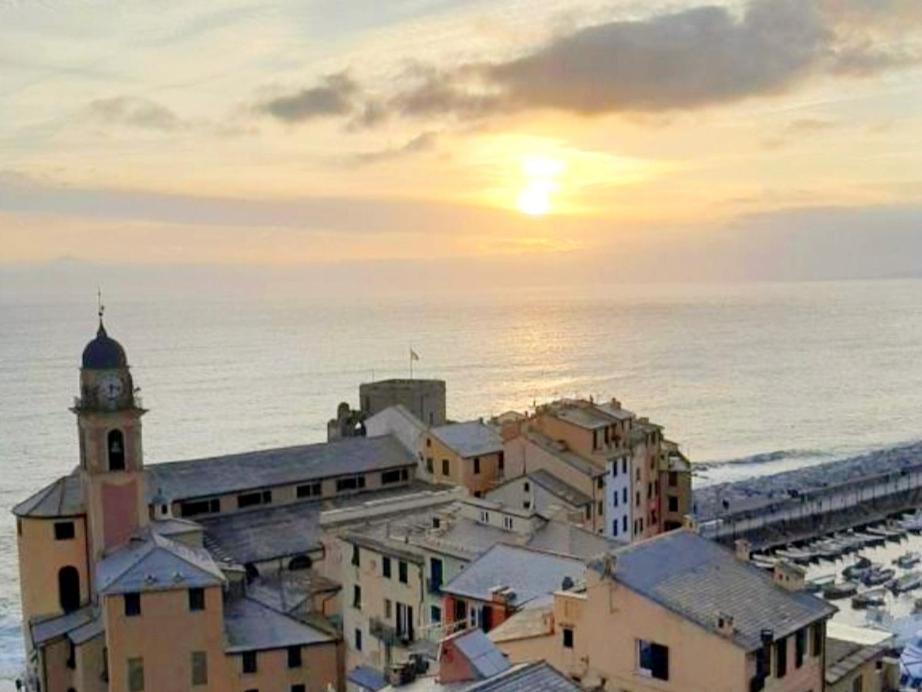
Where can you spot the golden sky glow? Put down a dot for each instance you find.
(285, 132)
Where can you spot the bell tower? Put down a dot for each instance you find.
(109, 428)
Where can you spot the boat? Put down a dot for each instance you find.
(908, 559)
(797, 555)
(878, 575)
(870, 539)
(908, 582)
(763, 561)
(917, 606)
(819, 583)
(858, 569)
(887, 533)
(841, 590)
(874, 597)
(912, 523)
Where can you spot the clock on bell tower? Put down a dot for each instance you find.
(111, 460)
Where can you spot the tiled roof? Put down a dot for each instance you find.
(287, 530)
(567, 456)
(482, 655)
(156, 563)
(530, 573)
(697, 579)
(62, 498)
(844, 657)
(469, 439)
(530, 677)
(181, 480)
(559, 488)
(46, 629)
(251, 626)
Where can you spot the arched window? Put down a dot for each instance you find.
(116, 447)
(69, 588)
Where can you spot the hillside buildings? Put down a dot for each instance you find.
(305, 568)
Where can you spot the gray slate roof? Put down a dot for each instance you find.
(559, 488)
(531, 677)
(530, 573)
(485, 658)
(181, 480)
(156, 563)
(46, 629)
(286, 530)
(367, 678)
(62, 498)
(697, 579)
(567, 456)
(469, 439)
(569, 539)
(251, 626)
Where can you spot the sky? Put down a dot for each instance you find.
(642, 139)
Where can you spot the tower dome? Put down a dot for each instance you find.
(104, 352)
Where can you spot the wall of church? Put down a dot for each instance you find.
(42, 556)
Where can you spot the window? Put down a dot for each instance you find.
(614, 528)
(252, 499)
(858, 683)
(649, 490)
(116, 447)
(526, 486)
(429, 466)
(818, 637)
(428, 442)
(507, 523)
(501, 461)
(71, 655)
(614, 470)
(135, 675)
(357, 596)
(624, 523)
(199, 668)
(624, 495)
(250, 662)
(673, 479)
(476, 465)
(402, 572)
(484, 516)
(351, 483)
(673, 503)
(781, 658)
(300, 687)
(358, 640)
(637, 499)
(435, 615)
(196, 599)
(624, 465)
(600, 482)
(588, 511)
(614, 498)
(446, 468)
(309, 490)
(386, 567)
(355, 555)
(653, 659)
(191, 509)
(601, 508)
(800, 647)
(64, 531)
(132, 604)
(567, 638)
(294, 656)
(388, 608)
(390, 477)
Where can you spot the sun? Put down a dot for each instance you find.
(541, 174)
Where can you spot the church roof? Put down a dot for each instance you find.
(104, 352)
(62, 498)
(155, 563)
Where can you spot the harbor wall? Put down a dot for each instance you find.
(818, 511)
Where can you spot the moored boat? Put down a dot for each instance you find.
(908, 582)
(908, 559)
(874, 597)
(878, 575)
(841, 590)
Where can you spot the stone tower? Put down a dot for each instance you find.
(111, 463)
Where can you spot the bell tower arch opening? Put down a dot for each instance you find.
(115, 448)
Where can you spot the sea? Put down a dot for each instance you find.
(750, 378)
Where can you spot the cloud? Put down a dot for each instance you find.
(690, 59)
(420, 143)
(135, 111)
(336, 95)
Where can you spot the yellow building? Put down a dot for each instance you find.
(120, 596)
(467, 454)
(675, 612)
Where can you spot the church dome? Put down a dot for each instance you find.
(104, 352)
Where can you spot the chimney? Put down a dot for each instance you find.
(789, 576)
(743, 549)
(725, 624)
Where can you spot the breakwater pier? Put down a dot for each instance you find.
(804, 503)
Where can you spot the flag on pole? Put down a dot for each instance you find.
(413, 355)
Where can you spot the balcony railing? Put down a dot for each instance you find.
(388, 634)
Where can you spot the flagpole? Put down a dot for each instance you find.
(411, 361)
